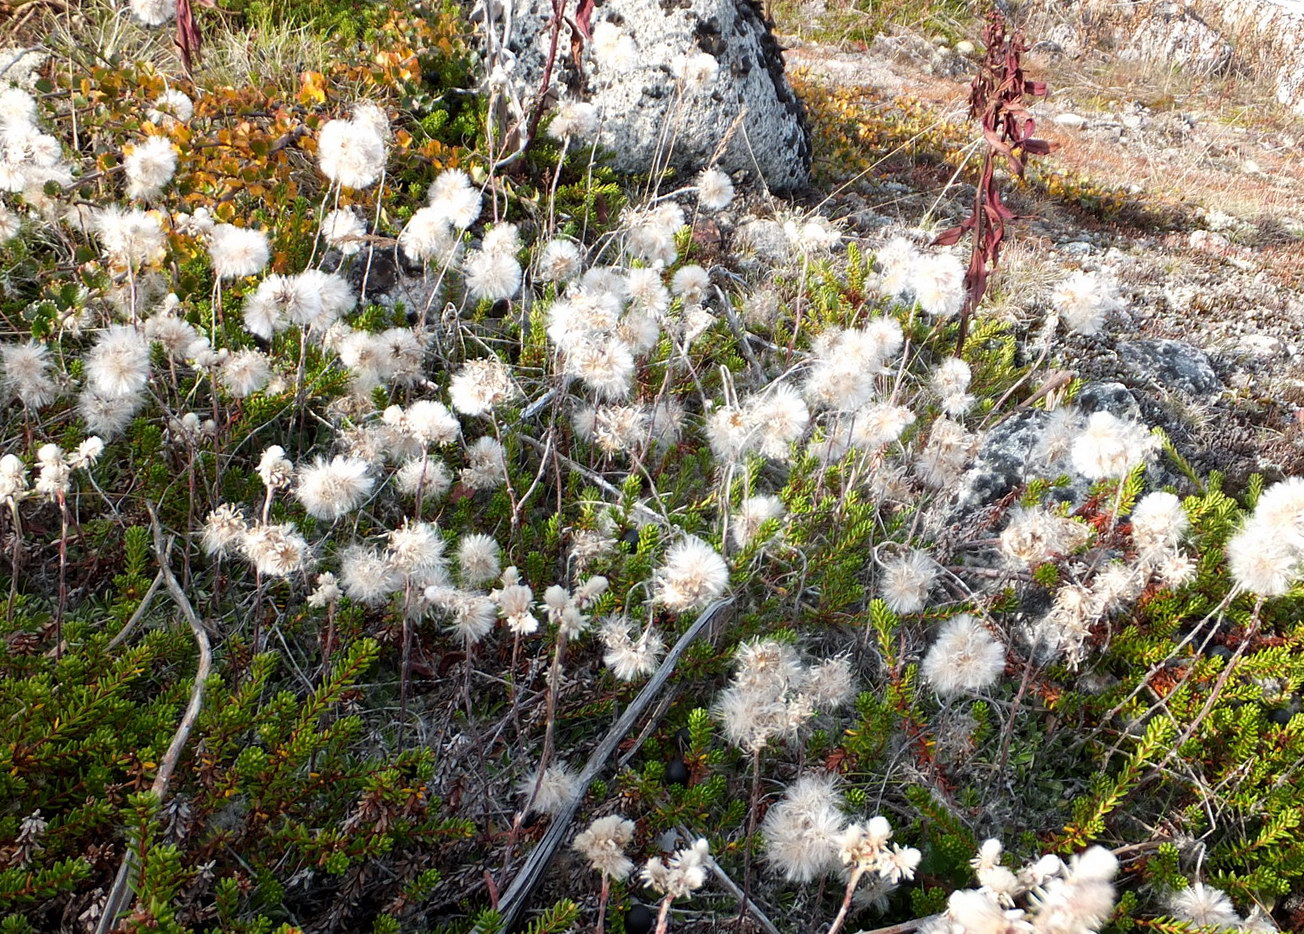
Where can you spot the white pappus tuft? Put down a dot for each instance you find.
(801, 831)
(966, 657)
(692, 575)
(334, 488)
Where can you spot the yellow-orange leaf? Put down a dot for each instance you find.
(313, 88)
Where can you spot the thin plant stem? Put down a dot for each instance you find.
(663, 914)
(63, 577)
(751, 830)
(550, 726)
(405, 673)
(15, 556)
(602, 903)
(841, 916)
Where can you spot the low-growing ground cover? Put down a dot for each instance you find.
(398, 540)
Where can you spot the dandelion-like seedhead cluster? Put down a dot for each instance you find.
(584, 435)
(808, 836)
(1049, 896)
(773, 694)
(682, 874)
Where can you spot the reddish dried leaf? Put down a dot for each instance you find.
(582, 17)
(952, 236)
(188, 39)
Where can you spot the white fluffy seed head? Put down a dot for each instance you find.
(237, 251)
(1280, 509)
(1204, 906)
(416, 548)
(130, 238)
(424, 477)
(695, 72)
(477, 559)
(715, 190)
(556, 789)
(752, 513)
(172, 106)
(628, 657)
(149, 166)
(801, 831)
(224, 529)
(559, 261)
(118, 365)
(1109, 447)
(1262, 564)
(275, 550)
(351, 153)
(1035, 535)
(692, 575)
(681, 875)
(366, 575)
(344, 230)
(334, 488)
(907, 579)
(965, 658)
(24, 374)
(612, 48)
(1085, 300)
(577, 119)
(486, 465)
(245, 372)
(938, 284)
(429, 235)
(480, 386)
(1159, 521)
(603, 844)
(455, 198)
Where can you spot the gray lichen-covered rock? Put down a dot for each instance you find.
(745, 115)
(1004, 462)
(1172, 365)
(1261, 39)
(1012, 453)
(1173, 33)
(1111, 397)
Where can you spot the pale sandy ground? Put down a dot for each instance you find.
(1228, 280)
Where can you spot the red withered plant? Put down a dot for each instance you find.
(997, 102)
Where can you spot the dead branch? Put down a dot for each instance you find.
(516, 897)
(118, 894)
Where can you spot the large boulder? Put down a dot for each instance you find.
(642, 69)
(1261, 39)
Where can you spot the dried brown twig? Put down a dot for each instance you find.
(996, 101)
(116, 900)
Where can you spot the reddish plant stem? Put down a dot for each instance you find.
(846, 900)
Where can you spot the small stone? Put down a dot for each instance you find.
(965, 47)
(639, 919)
(1250, 167)
(1070, 120)
(1208, 241)
(1261, 345)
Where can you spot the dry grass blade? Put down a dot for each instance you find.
(516, 897)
